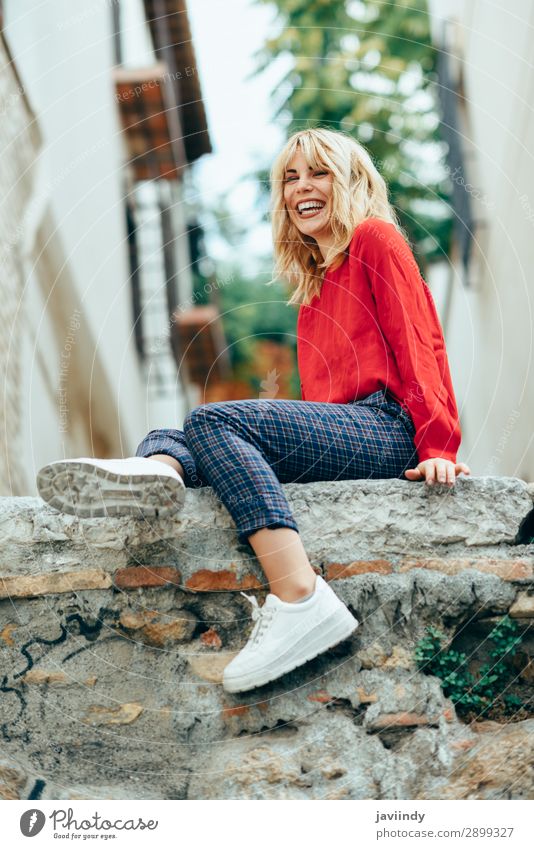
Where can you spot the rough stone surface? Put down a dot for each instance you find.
(115, 634)
(499, 765)
(523, 607)
(12, 779)
(340, 522)
(26, 586)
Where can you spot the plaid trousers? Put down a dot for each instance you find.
(245, 449)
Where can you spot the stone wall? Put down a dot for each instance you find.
(114, 635)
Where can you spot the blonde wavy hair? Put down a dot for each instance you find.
(358, 192)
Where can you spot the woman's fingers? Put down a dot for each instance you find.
(451, 473)
(414, 474)
(446, 471)
(437, 471)
(463, 467)
(440, 471)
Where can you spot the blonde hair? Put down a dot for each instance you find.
(358, 192)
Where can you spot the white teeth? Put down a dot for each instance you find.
(308, 205)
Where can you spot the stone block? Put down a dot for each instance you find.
(147, 576)
(523, 607)
(122, 715)
(157, 629)
(509, 569)
(28, 586)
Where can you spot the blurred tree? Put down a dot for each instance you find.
(259, 327)
(368, 68)
(254, 314)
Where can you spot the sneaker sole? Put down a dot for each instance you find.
(88, 491)
(334, 633)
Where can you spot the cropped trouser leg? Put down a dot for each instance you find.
(245, 449)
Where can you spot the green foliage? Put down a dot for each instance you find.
(251, 312)
(368, 68)
(458, 683)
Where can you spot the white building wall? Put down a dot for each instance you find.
(65, 59)
(490, 332)
(19, 142)
(74, 265)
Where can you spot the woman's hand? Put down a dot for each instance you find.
(437, 470)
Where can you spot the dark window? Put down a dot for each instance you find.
(135, 279)
(452, 131)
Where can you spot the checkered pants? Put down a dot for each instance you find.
(245, 449)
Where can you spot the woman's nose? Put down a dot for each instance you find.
(304, 184)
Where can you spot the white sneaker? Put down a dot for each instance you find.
(136, 486)
(286, 635)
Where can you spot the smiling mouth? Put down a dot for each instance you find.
(309, 209)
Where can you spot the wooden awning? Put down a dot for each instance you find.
(171, 36)
(199, 344)
(155, 146)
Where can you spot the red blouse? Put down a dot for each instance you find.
(374, 325)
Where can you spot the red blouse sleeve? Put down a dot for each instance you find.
(410, 325)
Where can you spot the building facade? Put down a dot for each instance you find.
(94, 238)
(486, 86)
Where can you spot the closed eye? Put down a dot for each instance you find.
(316, 174)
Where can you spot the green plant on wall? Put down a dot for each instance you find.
(478, 693)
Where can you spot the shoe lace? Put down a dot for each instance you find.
(262, 618)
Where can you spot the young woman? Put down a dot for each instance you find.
(378, 402)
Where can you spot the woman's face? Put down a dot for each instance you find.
(307, 195)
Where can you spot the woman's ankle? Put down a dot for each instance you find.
(284, 560)
(295, 593)
(169, 461)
